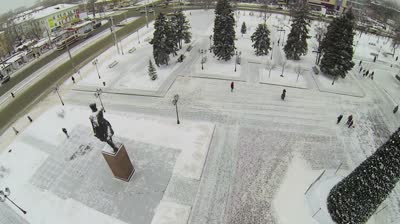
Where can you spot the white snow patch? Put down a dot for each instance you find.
(171, 213)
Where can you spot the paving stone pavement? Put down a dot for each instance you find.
(83, 175)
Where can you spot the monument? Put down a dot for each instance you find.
(117, 158)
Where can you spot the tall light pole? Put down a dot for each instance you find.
(175, 103)
(272, 49)
(113, 32)
(95, 62)
(138, 39)
(236, 58)
(4, 196)
(202, 59)
(97, 94)
(283, 39)
(210, 42)
(147, 18)
(72, 62)
(56, 88)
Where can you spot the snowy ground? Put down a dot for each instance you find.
(240, 157)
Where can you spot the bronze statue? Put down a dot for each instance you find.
(101, 127)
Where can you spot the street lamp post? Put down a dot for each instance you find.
(175, 103)
(113, 32)
(56, 88)
(95, 62)
(210, 43)
(4, 196)
(283, 38)
(138, 39)
(97, 94)
(272, 49)
(202, 59)
(236, 59)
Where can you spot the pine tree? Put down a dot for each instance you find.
(296, 44)
(172, 39)
(161, 41)
(337, 46)
(224, 32)
(243, 30)
(357, 197)
(152, 71)
(182, 28)
(260, 39)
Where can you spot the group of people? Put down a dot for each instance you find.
(349, 122)
(365, 72)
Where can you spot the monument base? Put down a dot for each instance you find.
(119, 163)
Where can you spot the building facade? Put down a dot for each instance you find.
(331, 6)
(38, 22)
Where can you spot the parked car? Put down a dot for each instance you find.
(5, 79)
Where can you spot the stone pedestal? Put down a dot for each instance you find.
(119, 163)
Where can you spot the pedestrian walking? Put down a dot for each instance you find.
(396, 109)
(367, 73)
(15, 131)
(30, 119)
(12, 94)
(349, 119)
(65, 132)
(73, 79)
(360, 70)
(283, 94)
(359, 64)
(104, 83)
(372, 74)
(232, 86)
(374, 58)
(351, 124)
(397, 58)
(372, 77)
(339, 118)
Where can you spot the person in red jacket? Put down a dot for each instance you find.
(232, 86)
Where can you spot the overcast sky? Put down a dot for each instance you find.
(7, 5)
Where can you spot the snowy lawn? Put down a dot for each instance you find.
(213, 66)
(290, 78)
(347, 86)
(192, 139)
(293, 206)
(131, 72)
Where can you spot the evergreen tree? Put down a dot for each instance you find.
(337, 46)
(172, 35)
(296, 44)
(260, 39)
(161, 41)
(243, 30)
(182, 28)
(152, 71)
(224, 32)
(356, 198)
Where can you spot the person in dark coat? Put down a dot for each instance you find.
(375, 59)
(351, 124)
(339, 118)
(12, 94)
(30, 119)
(73, 79)
(360, 70)
(372, 74)
(367, 73)
(232, 86)
(283, 94)
(397, 58)
(359, 64)
(349, 119)
(65, 132)
(396, 109)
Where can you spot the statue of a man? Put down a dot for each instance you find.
(101, 127)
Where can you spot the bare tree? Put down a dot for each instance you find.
(283, 63)
(299, 71)
(320, 31)
(270, 66)
(396, 40)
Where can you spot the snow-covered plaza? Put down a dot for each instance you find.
(237, 157)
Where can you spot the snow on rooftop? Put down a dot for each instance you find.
(44, 12)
